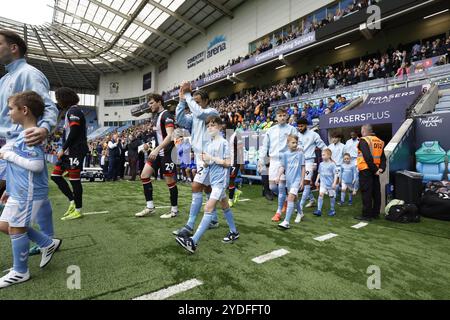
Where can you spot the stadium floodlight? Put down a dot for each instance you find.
(282, 59)
(235, 79)
(344, 45)
(435, 14)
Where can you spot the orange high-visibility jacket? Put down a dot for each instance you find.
(376, 146)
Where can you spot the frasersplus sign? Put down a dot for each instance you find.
(253, 61)
(382, 107)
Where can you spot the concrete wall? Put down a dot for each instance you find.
(252, 20)
(130, 86)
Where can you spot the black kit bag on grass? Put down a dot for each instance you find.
(404, 213)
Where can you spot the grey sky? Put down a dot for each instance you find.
(30, 11)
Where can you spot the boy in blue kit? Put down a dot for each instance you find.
(218, 159)
(349, 175)
(293, 167)
(199, 105)
(28, 194)
(274, 145)
(328, 177)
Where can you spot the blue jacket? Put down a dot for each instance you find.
(21, 77)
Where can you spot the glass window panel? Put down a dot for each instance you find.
(320, 14)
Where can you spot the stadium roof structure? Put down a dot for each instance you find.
(88, 38)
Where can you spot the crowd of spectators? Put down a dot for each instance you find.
(252, 110)
(277, 40)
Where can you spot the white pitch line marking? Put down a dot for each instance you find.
(170, 291)
(360, 225)
(163, 207)
(270, 256)
(92, 213)
(326, 237)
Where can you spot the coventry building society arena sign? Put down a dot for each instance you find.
(217, 45)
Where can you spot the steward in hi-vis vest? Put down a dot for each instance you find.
(371, 162)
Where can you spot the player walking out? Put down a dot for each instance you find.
(199, 106)
(74, 149)
(160, 159)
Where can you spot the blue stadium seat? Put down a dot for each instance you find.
(430, 159)
(431, 171)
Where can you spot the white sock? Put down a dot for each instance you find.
(78, 209)
(175, 209)
(72, 202)
(150, 204)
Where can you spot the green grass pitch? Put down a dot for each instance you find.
(122, 257)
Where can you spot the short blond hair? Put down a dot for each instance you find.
(328, 151)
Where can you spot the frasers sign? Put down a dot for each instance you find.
(390, 98)
(217, 45)
(361, 117)
(383, 107)
(218, 75)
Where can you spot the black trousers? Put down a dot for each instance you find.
(265, 185)
(133, 167)
(112, 168)
(369, 184)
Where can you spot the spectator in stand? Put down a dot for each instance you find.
(113, 158)
(402, 72)
(132, 148)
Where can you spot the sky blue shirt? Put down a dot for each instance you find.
(292, 163)
(348, 173)
(21, 77)
(195, 122)
(351, 147)
(308, 142)
(327, 171)
(218, 148)
(275, 141)
(26, 185)
(337, 153)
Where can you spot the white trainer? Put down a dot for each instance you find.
(284, 225)
(47, 253)
(13, 277)
(169, 215)
(299, 217)
(145, 213)
(310, 204)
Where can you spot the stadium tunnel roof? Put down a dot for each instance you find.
(88, 38)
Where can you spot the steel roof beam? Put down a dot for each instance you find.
(219, 7)
(177, 16)
(139, 23)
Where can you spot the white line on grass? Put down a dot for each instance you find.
(92, 213)
(360, 225)
(163, 207)
(170, 291)
(269, 256)
(326, 237)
